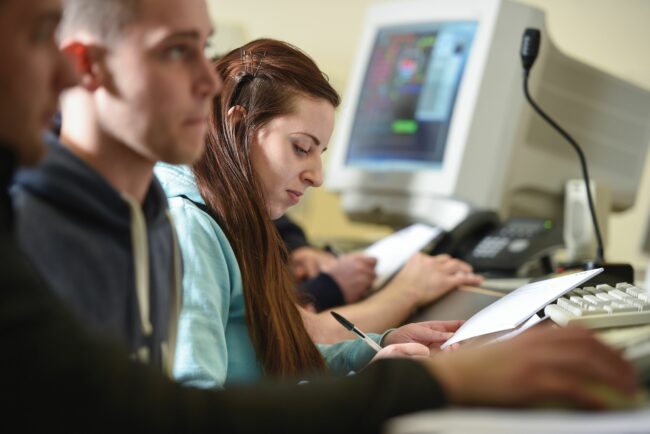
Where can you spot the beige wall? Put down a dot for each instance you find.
(610, 34)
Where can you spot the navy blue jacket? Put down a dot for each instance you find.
(78, 231)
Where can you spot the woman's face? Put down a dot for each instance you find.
(286, 154)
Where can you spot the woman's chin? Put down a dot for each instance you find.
(278, 212)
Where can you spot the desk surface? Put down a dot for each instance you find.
(500, 421)
(460, 303)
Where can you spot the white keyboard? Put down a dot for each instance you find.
(602, 306)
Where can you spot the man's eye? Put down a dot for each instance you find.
(178, 52)
(44, 33)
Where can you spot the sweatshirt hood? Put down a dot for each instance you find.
(178, 181)
(67, 182)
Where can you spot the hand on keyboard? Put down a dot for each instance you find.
(552, 365)
(602, 306)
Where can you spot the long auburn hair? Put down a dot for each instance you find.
(264, 77)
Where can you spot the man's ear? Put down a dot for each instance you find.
(236, 114)
(87, 62)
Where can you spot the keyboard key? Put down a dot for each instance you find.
(606, 297)
(595, 300)
(622, 307)
(620, 295)
(639, 304)
(594, 310)
(578, 300)
(633, 291)
(580, 292)
(644, 296)
(570, 306)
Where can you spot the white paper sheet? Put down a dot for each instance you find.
(533, 320)
(393, 251)
(515, 308)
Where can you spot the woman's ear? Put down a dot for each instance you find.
(86, 60)
(236, 114)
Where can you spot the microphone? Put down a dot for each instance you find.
(529, 50)
(530, 47)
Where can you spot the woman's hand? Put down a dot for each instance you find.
(426, 278)
(410, 350)
(431, 334)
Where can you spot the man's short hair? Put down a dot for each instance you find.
(102, 18)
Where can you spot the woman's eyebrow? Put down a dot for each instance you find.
(311, 136)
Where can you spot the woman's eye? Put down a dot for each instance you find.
(300, 150)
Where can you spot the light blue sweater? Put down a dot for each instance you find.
(213, 344)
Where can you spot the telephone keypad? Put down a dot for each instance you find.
(490, 246)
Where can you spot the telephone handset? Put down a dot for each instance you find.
(515, 247)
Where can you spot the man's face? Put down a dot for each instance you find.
(160, 87)
(32, 73)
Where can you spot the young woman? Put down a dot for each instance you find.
(239, 321)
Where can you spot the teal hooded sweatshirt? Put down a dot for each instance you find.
(214, 347)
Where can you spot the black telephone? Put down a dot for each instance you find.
(518, 246)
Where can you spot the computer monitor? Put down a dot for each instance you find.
(435, 124)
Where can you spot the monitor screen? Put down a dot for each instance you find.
(407, 97)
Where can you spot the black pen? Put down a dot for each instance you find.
(348, 325)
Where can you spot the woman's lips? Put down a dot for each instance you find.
(294, 196)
